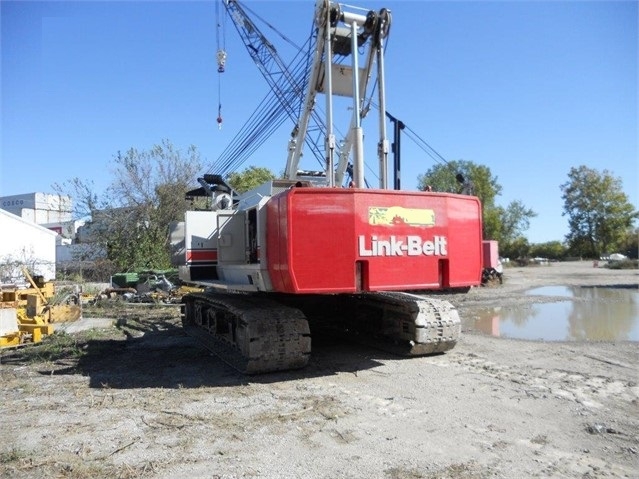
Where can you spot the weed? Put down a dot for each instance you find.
(540, 439)
(52, 348)
(403, 473)
(12, 455)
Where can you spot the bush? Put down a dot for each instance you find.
(623, 264)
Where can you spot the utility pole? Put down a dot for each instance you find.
(398, 126)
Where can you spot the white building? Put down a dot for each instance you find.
(25, 243)
(39, 208)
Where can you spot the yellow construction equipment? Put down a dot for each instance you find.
(28, 314)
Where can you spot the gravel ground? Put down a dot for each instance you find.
(141, 399)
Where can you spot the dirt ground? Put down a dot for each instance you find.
(141, 399)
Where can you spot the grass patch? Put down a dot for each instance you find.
(117, 309)
(465, 470)
(28, 467)
(12, 455)
(52, 348)
(132, 321)
(403, 473)
(110, 308)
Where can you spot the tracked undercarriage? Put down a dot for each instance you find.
(255, 334)
(250, 333)
(401, 323)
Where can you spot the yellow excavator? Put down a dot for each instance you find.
(29, 314)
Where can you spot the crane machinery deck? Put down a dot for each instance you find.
(292, 254)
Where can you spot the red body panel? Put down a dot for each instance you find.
(322, 240)
(201, 255)
(490, 255)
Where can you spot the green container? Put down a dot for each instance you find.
(125, 280)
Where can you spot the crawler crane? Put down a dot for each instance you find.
(292, 252)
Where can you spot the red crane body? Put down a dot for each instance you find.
(321, 240)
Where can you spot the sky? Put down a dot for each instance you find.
(529, 89)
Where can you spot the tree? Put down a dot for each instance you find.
(599, 213)
(519, 248)
(514, 220)
(131, 220)
(631, 245)
(444, 178)
(502, 224)
(551, 250)
(249, 178)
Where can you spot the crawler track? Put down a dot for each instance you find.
(401, 323)
(251, 333)
(255, 334)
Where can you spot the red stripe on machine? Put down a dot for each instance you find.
(201, 255)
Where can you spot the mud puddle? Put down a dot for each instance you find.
(568, 313)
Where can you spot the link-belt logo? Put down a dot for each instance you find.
(410, 245)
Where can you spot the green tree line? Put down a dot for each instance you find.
(601, 219)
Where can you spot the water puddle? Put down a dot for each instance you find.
(575, 314)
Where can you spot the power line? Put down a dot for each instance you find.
(424, 146)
